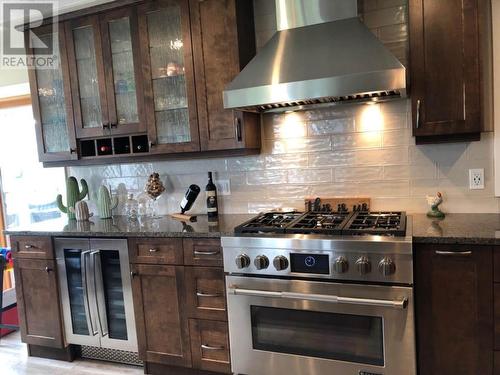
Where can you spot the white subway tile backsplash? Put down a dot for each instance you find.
(331, 126)
(357, 140)
(267, 177)
(357, 174)
(311, 176)
(298, 145)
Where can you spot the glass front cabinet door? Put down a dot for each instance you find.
(51, 95)
(164, 29)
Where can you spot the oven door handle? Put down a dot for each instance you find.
(397, 304)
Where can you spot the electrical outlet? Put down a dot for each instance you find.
(223, 187)
(476, 178)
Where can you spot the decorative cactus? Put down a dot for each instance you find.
(106, 203)
(81, 211)
(73, 195)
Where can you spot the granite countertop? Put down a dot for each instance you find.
(479, 229)
(454, 229)
(120, 226)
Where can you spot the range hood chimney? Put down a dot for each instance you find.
(321, 54)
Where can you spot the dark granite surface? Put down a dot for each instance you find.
(480, 229)
(455, 228)
(120, 226)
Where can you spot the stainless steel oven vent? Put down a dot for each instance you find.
(305, 104)
(322, 53)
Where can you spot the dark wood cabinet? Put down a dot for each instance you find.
(145, 79)
(205, 293)
(210, 345)
(51, 97)
(445, 70)
(38, 302)
(454, 308)
(159, 305)
(223, 43)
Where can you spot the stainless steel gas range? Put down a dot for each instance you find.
(321, 293)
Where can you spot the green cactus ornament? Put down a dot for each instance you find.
(73, 195)
(106, 203)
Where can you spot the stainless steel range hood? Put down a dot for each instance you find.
(322, 53)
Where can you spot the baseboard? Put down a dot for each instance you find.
(66, 354)
(159, 369)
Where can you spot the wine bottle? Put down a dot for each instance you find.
(189, 198)
(211, 194)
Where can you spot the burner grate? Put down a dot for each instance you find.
(274, 222)
(317, 222)
(383, 223)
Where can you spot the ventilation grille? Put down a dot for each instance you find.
(382, 95)
(111, 355)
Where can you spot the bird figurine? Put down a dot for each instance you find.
(434, 202)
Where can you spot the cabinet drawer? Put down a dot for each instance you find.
(155, 251)
(205, 293)
(210, 345)
(203, 252)
(32, 247)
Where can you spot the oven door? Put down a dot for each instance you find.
(303, 327)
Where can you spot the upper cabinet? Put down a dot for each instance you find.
(51, 99)
(445, 70)
(165, 33)
(223, 43)
(145, 79)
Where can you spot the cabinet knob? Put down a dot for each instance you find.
(133, 274)
(151, 144)
(113, 125)
(105, 125)
(153, 250)
(29, 246)
(48, 269)
(72, 150)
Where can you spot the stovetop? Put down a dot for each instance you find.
(356, 223)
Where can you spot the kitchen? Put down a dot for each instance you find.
(350, 220)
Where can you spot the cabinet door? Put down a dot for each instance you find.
(87, 77)
(120, 42)
(454, 308)
(170, 99)
(38, 302)
(223, 43)
(444, 59)
(51, 97)
(210, 345)
(159, 304)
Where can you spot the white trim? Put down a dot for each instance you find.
(14, 90)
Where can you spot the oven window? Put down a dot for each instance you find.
(343, 337)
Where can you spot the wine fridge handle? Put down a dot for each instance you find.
(100, 298)
(86, 304)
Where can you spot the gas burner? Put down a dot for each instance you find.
(376, 223)
(319, 223)
(269, 222)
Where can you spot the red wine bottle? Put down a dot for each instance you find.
(211, 194)
(189, 198)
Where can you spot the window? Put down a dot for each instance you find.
(29, 190)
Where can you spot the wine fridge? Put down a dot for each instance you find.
(95, 285)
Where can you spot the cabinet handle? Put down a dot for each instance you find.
(151, 144)
(454, 253)
(213, 295)
(418, 113)
(133, 274)
(48, 270)
(72, 150)
(153, 250)
(237, 128)
(113, 125)
(105, 125)
(206, 252)
(209, 347)
(29, 246)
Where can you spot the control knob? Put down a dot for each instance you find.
(280, 263)
(341, 265)
(387, 267)
(363, 265)
(242, 261)
(261, 262)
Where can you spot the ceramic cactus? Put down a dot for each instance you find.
(106, 203)
(81, 211)
(73, 195)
